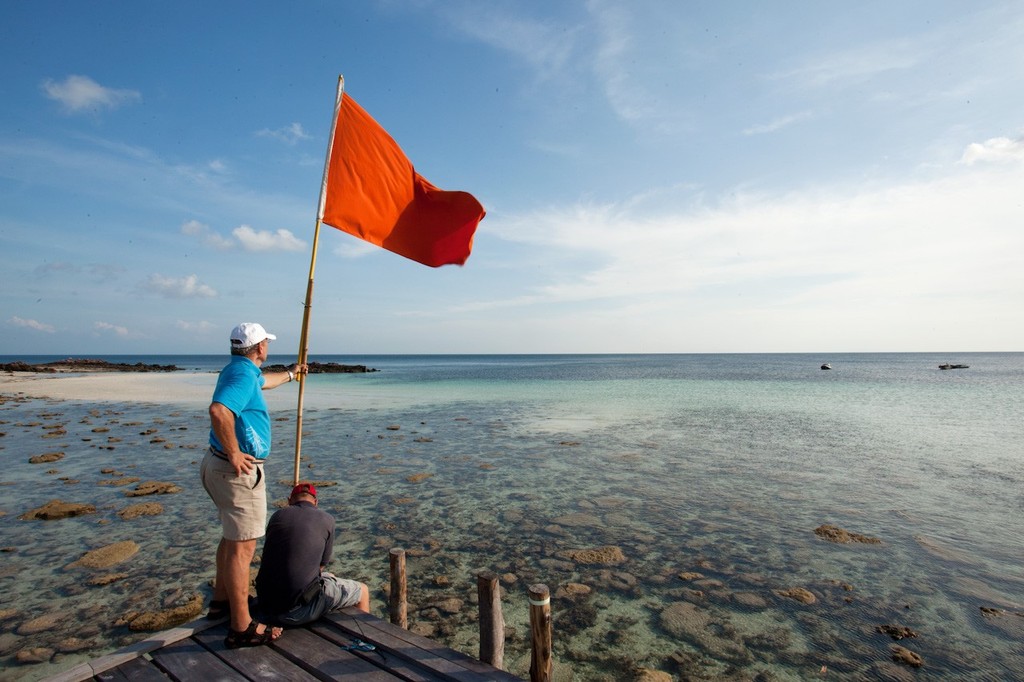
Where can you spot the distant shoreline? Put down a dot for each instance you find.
(84, 365)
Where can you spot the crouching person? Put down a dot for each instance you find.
(292, 586)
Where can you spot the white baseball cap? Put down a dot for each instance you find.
(249, 334)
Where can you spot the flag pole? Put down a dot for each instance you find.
(304, 335)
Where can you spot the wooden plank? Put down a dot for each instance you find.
(354, 621)
(87, 670)
(331, 663)
(136, 670)
(260, 662)
(187, 660)
(400, 666)
(447, 662)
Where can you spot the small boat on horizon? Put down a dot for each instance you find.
(946, 365)
(826, 366)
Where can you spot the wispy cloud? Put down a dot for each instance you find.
(32, 324)
(200, 327)
(178, 287)
(856, 65)
(290, 134)
(81, 93)
(546, 47)
(777, 124)
(115, 329)
(265, 240)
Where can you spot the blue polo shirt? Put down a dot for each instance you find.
(240, 389)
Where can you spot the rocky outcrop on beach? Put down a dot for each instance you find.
(325, 368)
(84, 365)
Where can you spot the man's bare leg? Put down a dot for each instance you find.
(220, 590)
(237, 559)
(364, 598)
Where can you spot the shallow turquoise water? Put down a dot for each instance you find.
(717, 464)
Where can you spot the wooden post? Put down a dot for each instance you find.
(397, 606)
(540, 633)
(492, 624)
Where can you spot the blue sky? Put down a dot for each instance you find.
(659, 176)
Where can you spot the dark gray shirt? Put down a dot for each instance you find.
(299, 541)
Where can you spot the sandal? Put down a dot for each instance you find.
(237, 639)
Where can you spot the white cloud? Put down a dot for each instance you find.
(182, 287)
(281, 240)
(113, 328)
(289, 134)
(995, 149)
(32, 324)
(81, 93)
(354, 248)
(921, 245)
(206, 236)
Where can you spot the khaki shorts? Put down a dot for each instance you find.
(241, 500)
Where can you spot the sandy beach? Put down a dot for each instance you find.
(185, 388)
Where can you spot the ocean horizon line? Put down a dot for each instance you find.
(10, 357)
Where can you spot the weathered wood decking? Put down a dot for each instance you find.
(325, 650)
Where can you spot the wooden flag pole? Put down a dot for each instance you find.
(304, 335)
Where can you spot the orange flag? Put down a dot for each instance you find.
(372, 191)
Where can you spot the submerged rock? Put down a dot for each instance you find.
(36, 654)
(897, 632)
(153, 488)
(46, 457)
(105, 557)
(151, 621)
(44, 623)
(800, 594)
(600, 555)
(142, 509)
(843, 537)
(907, 657)
(56, 509)
(694, 625)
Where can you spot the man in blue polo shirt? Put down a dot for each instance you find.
(232, 474)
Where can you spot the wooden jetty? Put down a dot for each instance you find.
(345, 645)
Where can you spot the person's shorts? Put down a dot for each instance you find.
(336, 593)
(241, 500)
